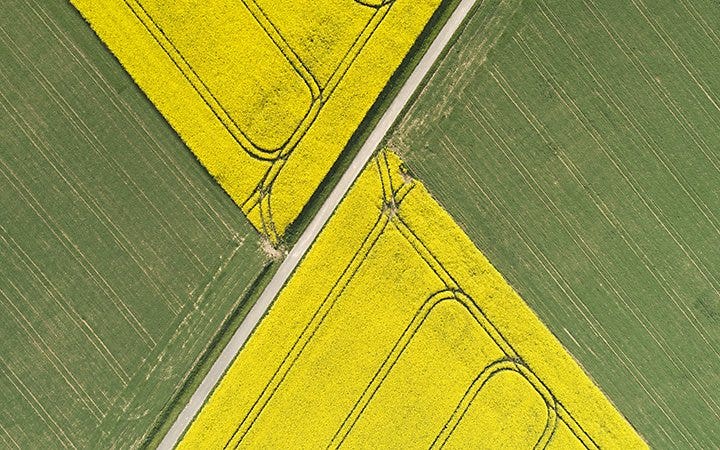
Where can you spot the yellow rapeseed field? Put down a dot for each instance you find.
(396, 332)
(266, 93)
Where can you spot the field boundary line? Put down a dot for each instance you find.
(296, 254)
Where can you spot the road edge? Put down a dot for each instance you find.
(298, 251)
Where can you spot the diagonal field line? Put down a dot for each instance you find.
(311, 232)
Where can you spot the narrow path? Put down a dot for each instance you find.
(308, 237)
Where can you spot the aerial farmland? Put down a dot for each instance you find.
(360, 224)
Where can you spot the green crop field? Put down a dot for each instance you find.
(578, 144)
(120, 258)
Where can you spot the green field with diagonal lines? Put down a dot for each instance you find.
(121, 259)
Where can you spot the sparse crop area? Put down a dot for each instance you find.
(395, 330)
(578, 148)
(266, 93)
(121, 260)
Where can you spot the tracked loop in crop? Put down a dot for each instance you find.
(261, 196)
(486, 375)
(390, 215)
(261, 81)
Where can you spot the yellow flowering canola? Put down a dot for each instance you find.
(396, 332)
(266, 93)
